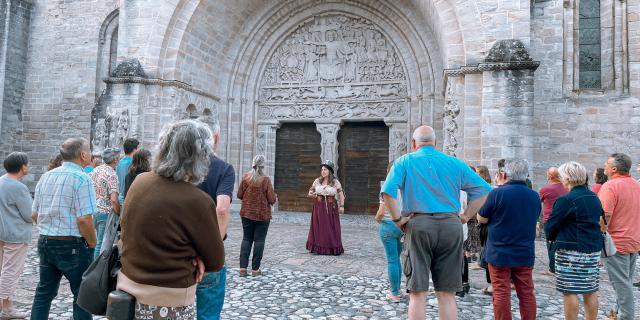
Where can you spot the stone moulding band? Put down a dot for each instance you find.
(492, 66)
(161, 82)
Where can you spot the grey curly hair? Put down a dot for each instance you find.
(183, 151)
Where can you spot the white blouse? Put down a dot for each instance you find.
(325, 189)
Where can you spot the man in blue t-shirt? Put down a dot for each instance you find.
(219, 185)
(130, 146)
(512, 212)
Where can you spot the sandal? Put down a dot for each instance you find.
(255, 273)
(243, 273)
(486, 291)
(392, 298)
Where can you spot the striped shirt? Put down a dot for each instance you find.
(62, 196)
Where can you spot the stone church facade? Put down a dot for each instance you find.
(545, 80)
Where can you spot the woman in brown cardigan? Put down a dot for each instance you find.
(257, 195)
(168, 225)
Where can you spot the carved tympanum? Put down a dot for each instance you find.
(333, 66)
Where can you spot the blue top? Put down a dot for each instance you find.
(513, 210)
(62, 196)
(121, 170)
(88, 169)
(219, 180)
(430, 181)
(574, 221)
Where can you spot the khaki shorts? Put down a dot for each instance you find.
(433, 244)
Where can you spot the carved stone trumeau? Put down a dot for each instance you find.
(451, 114)
(397, 141)
(329, 142)
(334, 66)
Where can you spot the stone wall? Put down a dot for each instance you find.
(61, 75)
(15, 16)
(575, 124)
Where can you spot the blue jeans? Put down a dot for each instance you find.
(390, 235)
(68, 258)
(210, 295)
(99, 222)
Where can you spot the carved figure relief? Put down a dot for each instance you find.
(329, 141)
(112, 130)
(338, 59)
(398, 143)
(451, 114)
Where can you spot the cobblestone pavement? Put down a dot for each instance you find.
(298, 285)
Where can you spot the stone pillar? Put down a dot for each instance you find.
(398, 140)
(452, 120)
(14, 35)
(266, 145)
(329, 140)
(507, 103)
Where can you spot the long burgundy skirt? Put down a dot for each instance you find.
(325, 236)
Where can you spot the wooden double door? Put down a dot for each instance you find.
(363, 157)
(362, 162)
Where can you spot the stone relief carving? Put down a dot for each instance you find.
(333, 58)
(398, 143)
(333, 110)
(329, 141)
(195, 106)
(112, 130)
(451, 114)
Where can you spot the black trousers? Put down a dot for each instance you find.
(254, 234)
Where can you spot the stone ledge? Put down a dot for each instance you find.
(160, 82)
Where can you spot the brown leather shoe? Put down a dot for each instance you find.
(255, 273)
(243, 272)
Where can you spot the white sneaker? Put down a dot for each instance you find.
(12, 314)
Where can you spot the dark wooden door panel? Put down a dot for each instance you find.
(363, 157)
(297, 165)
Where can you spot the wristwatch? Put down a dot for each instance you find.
(397, 219)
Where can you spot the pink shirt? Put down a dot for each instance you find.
(620, 196)
(548, 195)
(596, 188)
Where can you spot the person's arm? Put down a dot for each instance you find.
(85, 205)
(394, 182)
(485, 211)
(223, 200)
(115, 204)
(312, 190)
(24, 204)
(271, 194)
(208, 242)
(341, 195)
(561, 210)
(223, 203)
(473, 207)
(477, 190)
(241, 189)
(381, 211)
(87, 230)
(608, 199)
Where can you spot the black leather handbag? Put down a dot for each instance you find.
(100, 277)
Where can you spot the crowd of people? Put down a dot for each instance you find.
(436, 214)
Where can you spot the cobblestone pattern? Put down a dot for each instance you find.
(297, 285)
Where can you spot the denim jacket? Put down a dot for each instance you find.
(574, 221)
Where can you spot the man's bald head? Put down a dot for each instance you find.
(553, 174)
(424, 136)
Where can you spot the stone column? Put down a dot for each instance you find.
(266, 145)
(15, 20)
(398, 141)
(507, 103)
(329, 140)
(452, 120)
